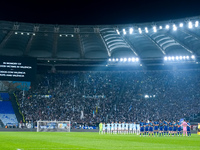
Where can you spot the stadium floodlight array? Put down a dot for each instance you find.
(179, 58)
(149, 96)
(66, 35)
(133, 59)
(155, 28)
(24, 33)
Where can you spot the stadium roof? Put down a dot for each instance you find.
(152, 40)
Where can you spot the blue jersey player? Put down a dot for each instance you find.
(188, 129)
(170, 127)
(179, 128)
(146, 128)
(165, 127)
(150, 128)
(174, 128)
(142, 128)
(161, 127)
(156, 124)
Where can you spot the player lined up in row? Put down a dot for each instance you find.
(154, 128)
(120, 128)
(165, 128)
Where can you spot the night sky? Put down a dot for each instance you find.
(97, 12)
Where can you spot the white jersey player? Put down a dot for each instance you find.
(123, 127)
(130, 128)
(104, 128)
(108, 128)
(115, 130)
(112, 127)
(134, 128)
(119, 128)
(138, 128)
(126, 132)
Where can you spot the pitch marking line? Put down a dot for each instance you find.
(48, 148)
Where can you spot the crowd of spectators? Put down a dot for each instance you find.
(92, 97)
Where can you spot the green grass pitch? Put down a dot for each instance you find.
(92, 141)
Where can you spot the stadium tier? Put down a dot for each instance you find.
(146, 41)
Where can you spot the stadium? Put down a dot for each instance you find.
(59, 83)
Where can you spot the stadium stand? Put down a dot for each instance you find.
(4, 96)
(152, 89)
(7, 115)
(113, 96)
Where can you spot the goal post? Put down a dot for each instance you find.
(53, 126)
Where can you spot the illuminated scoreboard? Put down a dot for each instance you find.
(17, 68)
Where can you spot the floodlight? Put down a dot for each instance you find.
(169, 58)
(60, 35)
(72, 35)
(173, 58)
(121, 59)
(167, 27)
(124, 31)
(181, 57)
(125, 59)
(137, 59)
(177, 58)
(109, 59)
(113, 59)
(193, 57)
(133, 59)
(146, 96)
(15, 32)
(33, 33)
(190, 25)
(129, 59)
(154, 29)
(174, 27)
(27, 33)
(187, 57)
(118, 31)
(196, 23)
(117, 59)
(184, 57)
(131, 30)
(165, 58)
(181, 25)
(160, 27)
(22, 33)
(140, 31)
(146, 30)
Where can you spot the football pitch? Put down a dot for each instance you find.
(92, 141)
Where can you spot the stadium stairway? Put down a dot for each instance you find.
(16, 107)
(1, 124)
(119, 97)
